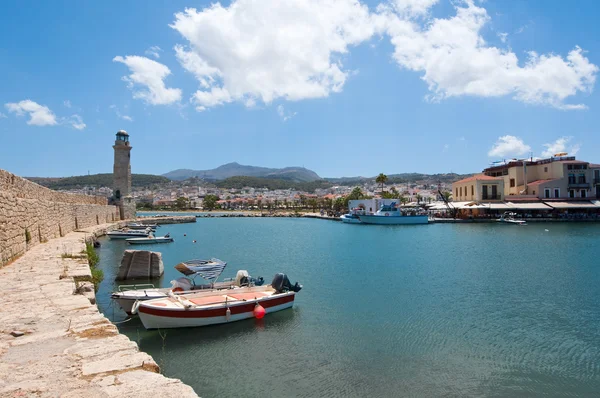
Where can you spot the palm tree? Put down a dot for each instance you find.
(381, 179)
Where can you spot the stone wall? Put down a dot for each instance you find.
(30, 214)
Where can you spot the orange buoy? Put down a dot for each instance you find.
(259, 311)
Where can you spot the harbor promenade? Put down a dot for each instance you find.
(55, 343)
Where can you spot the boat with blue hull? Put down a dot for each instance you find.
(392, 215)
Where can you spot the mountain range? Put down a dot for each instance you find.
(297, 174)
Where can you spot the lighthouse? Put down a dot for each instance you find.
(122, 176)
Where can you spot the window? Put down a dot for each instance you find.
(570, 167)
(461, 191)
(472, 190)
(547, 193)
(556, 192)
(571, 178)
(512, 182)
(457, 192)
(545, 169)
(581, 178)
(534, 192)
(583, 193)
(571, 193)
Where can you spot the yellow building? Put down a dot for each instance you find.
(478, 188)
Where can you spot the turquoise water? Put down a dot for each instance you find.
(438, 310)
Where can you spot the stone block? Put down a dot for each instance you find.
(140, 264)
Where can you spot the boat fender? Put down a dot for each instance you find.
(228, 314)
(259, 311)
(134, 308)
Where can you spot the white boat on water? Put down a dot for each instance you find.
(215, 307)
(141, 226)
(149, 240)
(210, 270)
(352, 216)
(509, 218)
(129, 233)
(392, 215)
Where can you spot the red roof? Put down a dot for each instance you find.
(539, 182)
(479, 177)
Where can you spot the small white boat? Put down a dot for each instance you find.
(141, 226)
(392, 215)
(128, 233)
(352, 216)
(210, 270)
(509, 218)
(150, 239)
(215, 307)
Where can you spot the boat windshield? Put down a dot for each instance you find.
(390, 207)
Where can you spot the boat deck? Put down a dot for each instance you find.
(209, 299)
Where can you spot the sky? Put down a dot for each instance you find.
(342, 87)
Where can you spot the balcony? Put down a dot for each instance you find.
(574, 184)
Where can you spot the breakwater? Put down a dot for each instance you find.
(31, 214)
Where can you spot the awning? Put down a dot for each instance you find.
(498, 206)
(207, 269)
(529, 206)
(573, 205)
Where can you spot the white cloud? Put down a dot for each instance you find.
(39, 115)
(560, 145)
(508, 145)
(154, 51)
(251, 52)
(119, 114)
(456, 61)
(150, 76)
(285, 116)
(76, 122)
(67, 103)
(412, 8)
(261, 51)
(2, 115)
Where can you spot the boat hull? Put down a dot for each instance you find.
(156, 318)
(394, 220)
(144, 241)
(350, 220)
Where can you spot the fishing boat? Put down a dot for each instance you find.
(216, 307)
(209, 270)
(392, 215)
(150, 239)
(128, 233)
(509, 218)
(352, 216)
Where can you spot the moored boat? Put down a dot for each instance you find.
(128, 233)
(392, 215)
(215, 307)
(352, 216)
(150, 239)
(209, 270)
(141, 226)
(509, 218)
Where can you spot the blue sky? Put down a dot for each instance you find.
(345, 89)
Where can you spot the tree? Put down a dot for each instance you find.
(339, 204)
(182, 203)
(210, 202)
(447, 195)
(312, 202)
(381, 179)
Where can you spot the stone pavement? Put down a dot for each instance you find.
(65, 347)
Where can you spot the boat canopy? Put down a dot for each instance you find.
(207, 269)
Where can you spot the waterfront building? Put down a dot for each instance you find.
(478, 188)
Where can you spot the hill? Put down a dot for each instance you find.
(299, 174)
(97, 181)
(240, 182)
(402, 178)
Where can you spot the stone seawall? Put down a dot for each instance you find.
(55, 343)
(31, 214)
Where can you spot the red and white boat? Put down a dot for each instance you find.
(214, 307)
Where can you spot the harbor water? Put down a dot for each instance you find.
(435, 310)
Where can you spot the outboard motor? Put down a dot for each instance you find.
(281, 284)
(241, 278)
(258, 281)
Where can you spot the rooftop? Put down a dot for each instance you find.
(478, 177)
